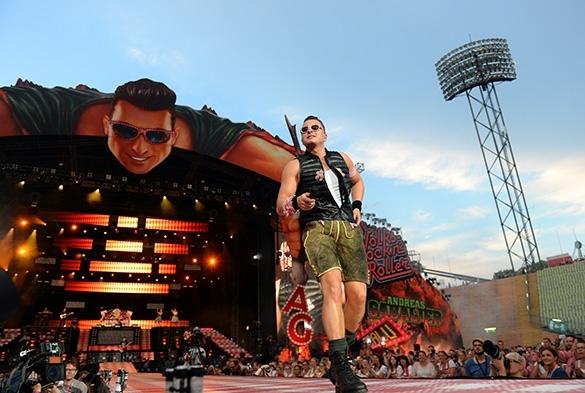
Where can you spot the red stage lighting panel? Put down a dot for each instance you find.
(79, 243)
(176, 225)
(71, 264)
(166, 268)
(124, 246)
(127, 222)
(170, 248)
(116, 287)
(119, 267)
(78, 218)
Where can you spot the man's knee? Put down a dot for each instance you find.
(332, 288)
(356, 294)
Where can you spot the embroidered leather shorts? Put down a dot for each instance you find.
(336, 245)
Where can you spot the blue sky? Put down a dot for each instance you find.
(367, 69)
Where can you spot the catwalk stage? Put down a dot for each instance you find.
(154, 383)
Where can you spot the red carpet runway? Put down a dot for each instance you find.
(154, 383)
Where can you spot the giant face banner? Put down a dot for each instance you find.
(140, 124)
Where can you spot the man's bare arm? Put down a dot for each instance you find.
(358, 187)
(288, 185)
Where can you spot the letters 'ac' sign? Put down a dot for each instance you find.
(298, 327)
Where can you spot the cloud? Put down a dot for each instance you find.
(472, 212)
(154, 58)
(433, 167)
(560, 185)
(143, 58)
(465, 253)
(440, 247)
(422, 215)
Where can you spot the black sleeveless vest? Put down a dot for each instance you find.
(312, 179)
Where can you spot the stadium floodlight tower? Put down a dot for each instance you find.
(474, 69)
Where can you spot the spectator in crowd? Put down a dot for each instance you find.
(446, 367)
(546, 343)
(532, 362)
(287, 371)
(392, 367)
(461, 357)
(411, 357)
(578, 365)
(479, 366)
(311, 368)
(321, 371)
(517, 365)
(264, 371)
(365, 369)
(297, 371)
(431, 352)
(549, 367)
(404, 368)
(423, 368)
(365, 350)
(379, 369)
(566, 352)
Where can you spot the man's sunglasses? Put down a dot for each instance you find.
(305, 129)
(154, 136)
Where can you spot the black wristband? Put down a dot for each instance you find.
(295, 203)
(356, 205)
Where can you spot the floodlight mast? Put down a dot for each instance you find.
(473, 69)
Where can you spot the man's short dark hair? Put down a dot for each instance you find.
(312, 117)
(73, 362)
(147, 94)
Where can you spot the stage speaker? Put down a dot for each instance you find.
(160, 338)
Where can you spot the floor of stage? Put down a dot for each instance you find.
(154, 383)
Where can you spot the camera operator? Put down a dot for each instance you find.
(36, 371)
(94, 378)
(70, 384)
(196, 354)
(33, 385)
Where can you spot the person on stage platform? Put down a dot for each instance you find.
(159, 314)
(175, 315)
(321, 184)
(123, 348)
(64, 316)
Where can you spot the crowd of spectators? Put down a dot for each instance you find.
(562, 358)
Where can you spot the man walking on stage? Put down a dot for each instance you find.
(319, 184)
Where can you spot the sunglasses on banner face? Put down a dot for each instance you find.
(154, 136)
(314, 127)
